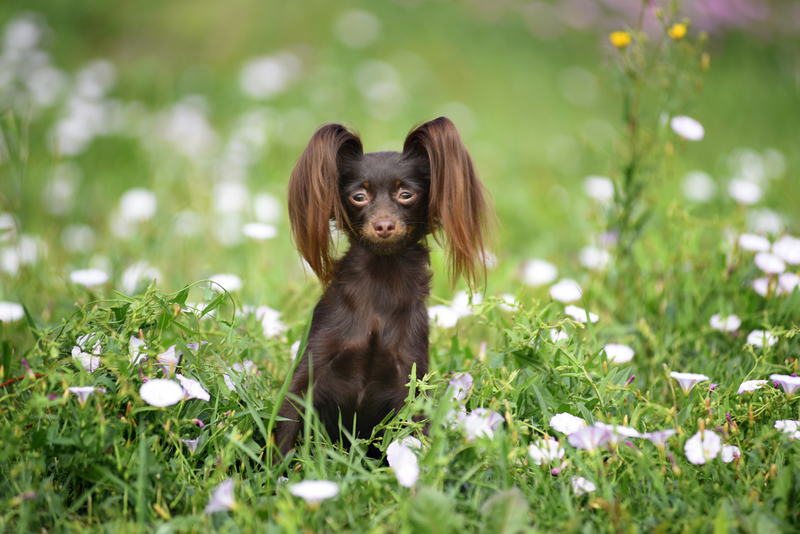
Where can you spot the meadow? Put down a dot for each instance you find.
(629, 366)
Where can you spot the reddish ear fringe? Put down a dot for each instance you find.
(314, 196)
(459, 211)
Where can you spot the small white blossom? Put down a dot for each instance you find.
(168, 360)
(727, 324)
(618, 432)
(594, 258)
(787, 282)
(557, 336)
(788, 249)
(729, 453)
(688, 380)
(703, 446)
(191, 443)
(761, 286)
(229, 282)
(137, 351)
(567, 423)
(698, 186)
(618, 353)
(788, 426)
(790, 384)
(599, 188)
(83, 393)
(590, 438)
(260, 231)
(192, 388)
(444, 316)
(545, 451)
(460, 386)
(222, 498)
(758, 338)
(89, 277)
(161, 392)
(581, 486)
(537, 273)
(660, 437)
(481, 422)
(744, 192)
(10, 312)
(751, 385)
(403, 462)
(579, 314)
(270, 321)
(770, 263)
(314, 491)
(687, 127)
(566, 290)
(753, 242)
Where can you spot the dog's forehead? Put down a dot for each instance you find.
(385, 167)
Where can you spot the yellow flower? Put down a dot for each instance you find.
(677, 31)
(620, 39)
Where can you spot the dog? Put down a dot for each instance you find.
(371, 325)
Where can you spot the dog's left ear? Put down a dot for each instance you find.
(458, 207)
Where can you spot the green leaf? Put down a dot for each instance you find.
(432, 512)
(505, 513)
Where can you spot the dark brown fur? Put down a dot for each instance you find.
(371, 326)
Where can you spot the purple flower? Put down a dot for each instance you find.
(688, 380)
(460, 386)
(590, 438)
(222, 497)
(192, 388)
(660, 437)
(191, 443)
(789, 383)
(482, 422)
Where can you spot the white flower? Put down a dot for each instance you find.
(87, 361)
(761, 286)
(618, 353)
(229, 282)
(168, 360)
(770, 263)
(729, 453)
(403, 462)
(566, 290)
(481, 422)
(137, 205)
(786, 283)
(758, 338)
(192, 388)
(703, 446)
(579, 314)
(751, 385)
(590, 438)
(246, 367)
(455, 418)
(10, 312)
(688, 380)
(222, 498)
(558, 335)
(509, 302)
(264, 77)
(83, 393)
(698, 186)
(294, 349)
(754, 242)
(537, 273)
(270, 321)
(729, 324)
(89, 277)
(267, 208)
(618, 432)
(137, 351)
(460, 386)
(461, 303)
(314, 491)
(789, 383)
(545, 451)
(161, 392)
(191, 443)
(687, 127)
(567, 423)
(581, 485)
(259, 231)
(444, 316)
(744, 192)
(594, 258)
(660, 437)
(788, 249)
(599, 188)
(137, 272)
(788, 426)
(357, 29)
(764, 221)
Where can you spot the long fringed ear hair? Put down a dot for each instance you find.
(314, 195)
(459, 214)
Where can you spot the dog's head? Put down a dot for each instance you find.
(387, 201)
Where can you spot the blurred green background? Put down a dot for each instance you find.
(207, 105)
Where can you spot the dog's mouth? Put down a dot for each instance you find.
(400, 239)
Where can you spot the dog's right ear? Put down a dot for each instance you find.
(314, 198)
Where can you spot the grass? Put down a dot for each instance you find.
(117, 464)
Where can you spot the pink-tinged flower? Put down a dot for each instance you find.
(192, 444)
(761, 286)
(403, 462)
(687, 127)
(566, 290)
(770, 263)
(481, 422)
(83, 393)
(725, 324)
(168, 361)
(161, 392)
(688, 380)
(788, 249)
(271, 322)
(660, 437)
(581, 486)
(222, 498)
(192, 388)
(712, 387)
(87, 360)
(759, 338)
(790, 384)
(10, 312)
(703, 446)
(89, 277)
(456, 418)
(618, 353)
(567, 423)
(729, 453)
(137, 351)
(545, 451)
(788, 426)
(590, 438)
(618, 432)
(754, 243)
(314, 491)
(751, 385)
(629, 381)
(198, 422)
(460, 386)
(787, 282)
(579, 314)
(247, 367)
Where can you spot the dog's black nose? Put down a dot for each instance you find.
(383, 228)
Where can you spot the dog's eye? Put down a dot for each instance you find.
(405, 195)
(359, 198)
